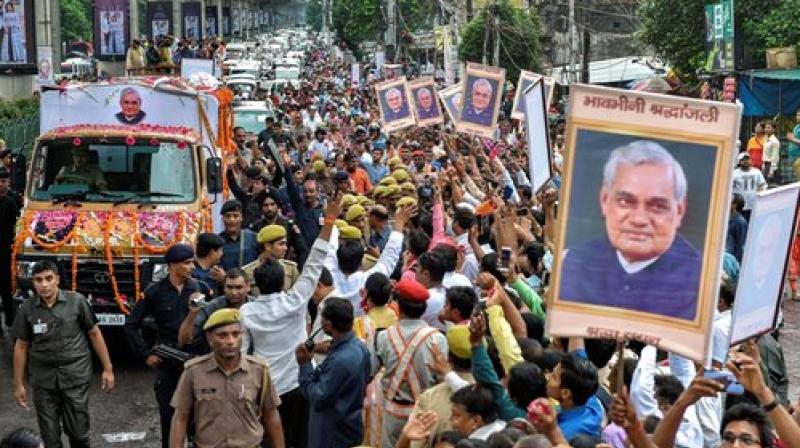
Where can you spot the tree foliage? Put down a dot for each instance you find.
(76, 20)
(314, 14)
(356, 21)
(676, 28)
(17, 108)
(520, 33)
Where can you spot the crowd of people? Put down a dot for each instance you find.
(357, 297)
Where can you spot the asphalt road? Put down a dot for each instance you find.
(131, 407)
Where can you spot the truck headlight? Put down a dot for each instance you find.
(25, 269)
(160, 271)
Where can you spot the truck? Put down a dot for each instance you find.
(121, 171)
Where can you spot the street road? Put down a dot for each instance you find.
(131, 406)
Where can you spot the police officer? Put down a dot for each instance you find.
(240, 246)
(273, 241)
(167, 302)
(270, 215)
(53, 331)
(10, 204)
(230, 396)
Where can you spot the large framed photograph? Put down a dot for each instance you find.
(425, 103)
(759, 290)
(394, 104)
(526, 80)
(111, 29)
(537, 135)
(482, 91)
(17, 37)
(643, 212)
(451, 99)
(159, 16)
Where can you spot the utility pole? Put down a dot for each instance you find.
(496, 12)
(391, 32)
(324, 28)
(487, 32)
(586, 44)
(573, 42)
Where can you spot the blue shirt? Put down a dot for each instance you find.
(376, 172)
(335, 393)
(584, 419)
(737, 231)
(379, 239)
(230, 251)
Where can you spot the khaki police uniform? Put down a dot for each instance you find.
(290, 274)
(227, 409)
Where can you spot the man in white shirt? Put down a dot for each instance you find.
(772, 150)
(430, 272)
(275, 324)
(320, 145)
(747, 181)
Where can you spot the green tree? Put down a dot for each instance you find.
(356, 21)
(76, 20)
(676, 28)
(314, 14)
(520, 33)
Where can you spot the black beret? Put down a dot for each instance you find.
(341, 176)
(178, 253)
(252, 172)
(210, 240)
(231, 205)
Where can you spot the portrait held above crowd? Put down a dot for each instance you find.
(383, 260)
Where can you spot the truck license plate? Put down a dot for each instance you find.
(111, 319)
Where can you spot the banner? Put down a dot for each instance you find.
(482, 92)
(190, 12)
(111, 29)
(17, 41)
(765, 261)
(236, 24)
(447, 43)
(538, 135)
(355, 74)
(159, 16)
(44, 65)
(719, 36)
(211, 21)
(643, 209)
(226, 21)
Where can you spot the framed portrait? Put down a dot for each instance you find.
(111, 35)
(159, 15)
(482, 91)
(425, 103)
(451, 99)
(537, 135)
(17, 37)
(394, 104)
(643, 212)
(526, 80)
(770, 232)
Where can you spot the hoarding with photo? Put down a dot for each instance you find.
(17, 36)
(394, 104)
(482, 91)
(111, 33)
(159, 16)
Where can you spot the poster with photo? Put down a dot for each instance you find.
(526, 80)
(236, 24)
(211, 21)
(44, 74)
(642, 217)
(111, 29)
(17, 43)
(190, 11)
(425, 101)
(394, 104)
(765, 261)
(159, 15)
(482, 91)
(226, 21)
(451, 99)
(537, 133)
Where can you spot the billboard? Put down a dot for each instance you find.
(719, 36)
(211, 20)
(190, 18)
(111, 29)
(226, 21)
(17, 42)
(159, 19)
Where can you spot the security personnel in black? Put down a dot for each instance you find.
(167, 301)
(270, 214)
(10, 204)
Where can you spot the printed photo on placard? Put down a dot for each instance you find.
(16, 28)
(394, 104)
(482, 91)
(451, 99)
(426, 105)
(526, 79)
(645, 194)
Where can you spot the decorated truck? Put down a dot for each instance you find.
(121, 171)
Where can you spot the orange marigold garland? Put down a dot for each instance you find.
(137, 285)
(209, 226)
(110, 261)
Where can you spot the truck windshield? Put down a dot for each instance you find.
(110, 171)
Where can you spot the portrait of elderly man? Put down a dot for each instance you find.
(641, 263)
(397, 106)
(480, 107)
(425, 104)
(130, 104)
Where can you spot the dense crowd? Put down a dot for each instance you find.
(360, 294)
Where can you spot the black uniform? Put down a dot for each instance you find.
(60, 364)
(10, 205)
(169, 308)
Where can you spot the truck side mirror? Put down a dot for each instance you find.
(214, 175)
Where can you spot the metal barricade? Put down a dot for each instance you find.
(20, 133)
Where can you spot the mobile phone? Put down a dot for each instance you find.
(727, 379)
(199, 301)
(505, 259)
